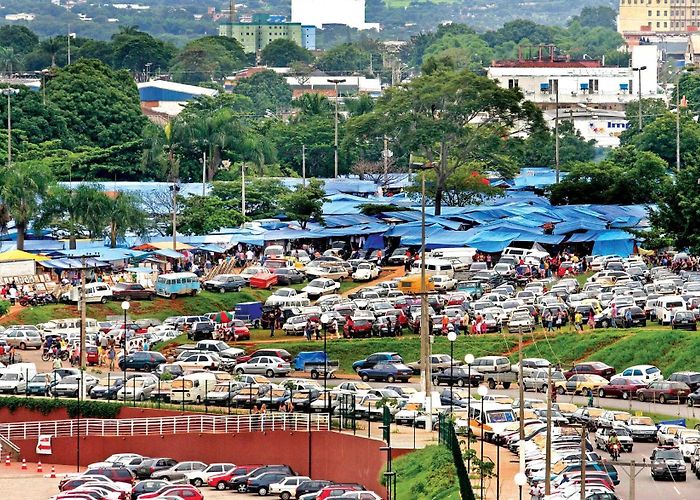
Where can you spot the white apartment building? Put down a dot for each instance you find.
(581, 83)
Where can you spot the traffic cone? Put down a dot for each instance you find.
(53, 472)
(24, 464)
(7, 460)
(39, 468)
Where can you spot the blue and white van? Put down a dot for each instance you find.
(174, 284)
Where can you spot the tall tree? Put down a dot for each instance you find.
(23, 187)
(9, 59)
(80, 211)
(20, 38)
(449, 119)
(268, 91)
(134, 49)
(207, 59)
(282, 53)
(305, 203)
(124, 214)
(204, 214)
(101, 106)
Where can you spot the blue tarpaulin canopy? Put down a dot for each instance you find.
(169, 253)
(211, 248)
(66, 264)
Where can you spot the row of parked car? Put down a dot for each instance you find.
(130, 476)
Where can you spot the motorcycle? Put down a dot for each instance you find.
(49, 354)
(614, 450)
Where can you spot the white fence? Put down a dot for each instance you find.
(211, 424)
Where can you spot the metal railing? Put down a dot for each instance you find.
(188, 424)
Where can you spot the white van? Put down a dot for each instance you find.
(666, 306)
(434, 266)
(192, 388)
(274, 251)
(495, 418)
(461, 258)
(69, 327)
(94, 292)
(529, 255)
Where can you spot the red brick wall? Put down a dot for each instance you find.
(335, 456)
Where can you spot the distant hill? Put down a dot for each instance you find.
(182, 20)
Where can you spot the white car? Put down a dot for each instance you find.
(686, 442)
(443, 283)
(287, 488)
(199, 361)
(642, 428)
(642, 374)
(366, 272)
(112, 460)
(200, 477)
(320, 286)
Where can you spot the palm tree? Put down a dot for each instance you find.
(77, 211)
(23, 187)
(160, 146)
(124, 214)
(51, 46)
(9, 59)
(312, 104)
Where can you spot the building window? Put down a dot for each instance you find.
(593, 86)
(513, 83)
(553, 86)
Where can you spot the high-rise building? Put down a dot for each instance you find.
(263, 29)
(658, 16)
(322, 12)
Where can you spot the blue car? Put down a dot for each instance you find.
(41, 384)
(389, 372)
(377, 357)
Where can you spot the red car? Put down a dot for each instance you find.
(184, 491)
(263, 280)
(457, 299)
(664, 391)
(591, 368)
(336, 490)
(92, 355)
(220, 481)
(620, 388)
(240, 330)
(357, 328)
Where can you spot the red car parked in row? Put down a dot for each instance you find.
(591, 368)
(220, 482)
(620, 387)
(184, 491)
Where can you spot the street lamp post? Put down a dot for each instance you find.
(9, 92)
(639, 91)
(174, 189)
(469, 359)
(452, 336)
(336, 81)
(520, 480)
(125, 308)
(324, 320)
(483, 391)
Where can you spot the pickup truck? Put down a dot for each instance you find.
(494, 379)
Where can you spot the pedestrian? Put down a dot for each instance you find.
(560, 319)
(628, 318)
(397, 328)
(309, 329)
(591, 319)
(578, 321)
(547, 320)
(12, 355)
(465, 323)
(445, 324)
(613, 316)
(590, 398)
(553, 393)
(272, 320)
(57, 365)
(111, 355)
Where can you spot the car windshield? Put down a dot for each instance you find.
(672, 454)
(318, 283)
(641, 421)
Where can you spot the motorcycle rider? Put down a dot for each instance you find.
(613, 442)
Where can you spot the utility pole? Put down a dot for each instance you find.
(9, 92)
(633, 477)
(336, 81)
(69, 45)
(583, 463)
(556, 130)
(386, 161)
(521, 408)
(639, 91)
(548, 451)
(243, 190)
(303, 165)
(678, 123)
(204, 174)
(426, 381)
(175, 188)
(83, 315)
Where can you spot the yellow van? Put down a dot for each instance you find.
(411, 284)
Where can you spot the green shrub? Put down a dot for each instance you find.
(4, 307)
(86, 409)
